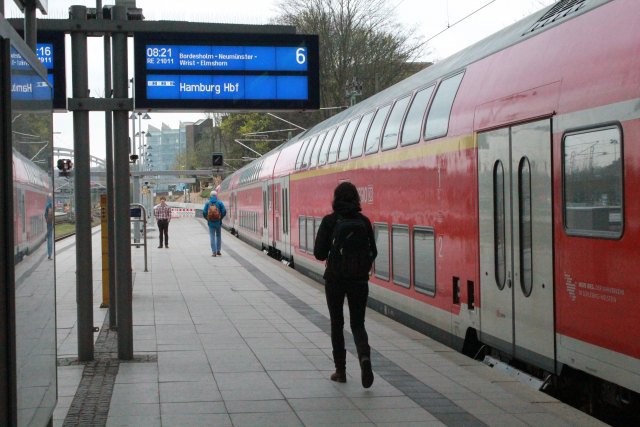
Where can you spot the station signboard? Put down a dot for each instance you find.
(226, 71)
(50, 50)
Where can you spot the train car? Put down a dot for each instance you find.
(31, 191)
(500, 183)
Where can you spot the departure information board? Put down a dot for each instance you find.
(226, 71)
(50, 51)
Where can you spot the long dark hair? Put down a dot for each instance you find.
(346, 192)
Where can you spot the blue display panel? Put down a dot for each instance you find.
(50, 50)
(230, 71)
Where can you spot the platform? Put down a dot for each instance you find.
(243, 340)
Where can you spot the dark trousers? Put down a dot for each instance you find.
(357, 294)
(163, 227)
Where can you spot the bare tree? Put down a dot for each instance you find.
(359, 39)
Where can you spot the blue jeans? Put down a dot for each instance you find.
(49, 240)
(214, 238)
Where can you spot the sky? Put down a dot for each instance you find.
(434, 20)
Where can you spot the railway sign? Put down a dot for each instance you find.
(226, 71)
(50, 50)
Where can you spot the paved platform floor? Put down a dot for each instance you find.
(242, 340)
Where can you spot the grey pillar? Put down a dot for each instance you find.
(121, 182)
(30, 27)
(84, 264)
(136, 179)
(108, 120)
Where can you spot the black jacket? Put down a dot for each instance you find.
(325, 231)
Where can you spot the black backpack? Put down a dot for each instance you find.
(350, 253)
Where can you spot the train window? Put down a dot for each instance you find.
(361, 133)
(307, 156)
(373, 138)
(424, 260)
(310, 231)
(524, 226)
(499, 236)
(322, 158)
(316, 150)
(303, 148)
(592, 178)
(381, 232)
(345, 145)
(302, 232)
(438, 118)
(391, 130)
(333, 150)
(413, 122)
(400, 255)
(316, 226)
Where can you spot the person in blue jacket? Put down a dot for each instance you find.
(49, 217)
(214, 220)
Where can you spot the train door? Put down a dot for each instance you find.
(22, 231)
(285, 217)
(277, 209)
(266, 212)
(236, 214)
(516, 241)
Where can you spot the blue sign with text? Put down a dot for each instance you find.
(231, 71)
(50, 50)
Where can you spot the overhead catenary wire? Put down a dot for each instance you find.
(458, 21)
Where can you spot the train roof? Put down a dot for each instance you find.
(518, 32)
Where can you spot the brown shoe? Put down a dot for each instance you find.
(213, 254)
(218, 253)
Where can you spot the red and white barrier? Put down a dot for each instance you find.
(182, 212)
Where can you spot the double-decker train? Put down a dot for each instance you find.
(501, 184)
(31, 189)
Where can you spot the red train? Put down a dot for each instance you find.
(501, 184)
(31, 189)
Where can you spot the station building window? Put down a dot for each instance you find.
(593, 185)
(400, 255)
(345, 145)
(438, 119)
(424, 260)
(361, 134)
(373, 138)
(413, 122)
(391, 130)
(333, 150)
(381, 264)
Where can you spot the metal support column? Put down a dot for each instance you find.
(136, 179)
(108, 120)
(30, 26)
(84, 264)
(121, 183)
